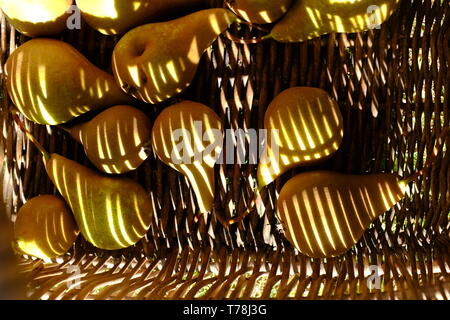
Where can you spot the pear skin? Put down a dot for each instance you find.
(45, 227)
(261, 11)
(304, 126)
(309, 19)
(155, 62)
(113, 17)
(324, 214)
(111, 212)
(188, 137)
(114, 140)
(35, 18)
(50, 82)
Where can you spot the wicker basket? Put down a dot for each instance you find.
(392, 86)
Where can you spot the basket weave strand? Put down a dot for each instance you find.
(392, 86)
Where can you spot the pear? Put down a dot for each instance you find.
(45, 228)
(188, 137)
(308, 19)
(261, 11)
(115, 140)
(111, 212)
(156, 61)
(325, 213)
(304, 126)
(36, 17)
(112, 17)
(50, 82)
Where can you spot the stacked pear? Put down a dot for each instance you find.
(154, 62)
(36, 17)
(304, 126)
(112, 17)
(45, 227)
(261, 11)
(188, 137)
(325, 213)
(308, 19)
(115, 140)
(50, 82)
(111, 212)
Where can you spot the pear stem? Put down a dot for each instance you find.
(38, 145)
(231, 8)
(436, 150)
(241, 20)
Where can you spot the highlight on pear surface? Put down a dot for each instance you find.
(324, 214)
(308, 19)
(36, 17)
(45, 228)
(50, 82)
(113, 17)
(260, 11)
(157, 61)
(115, 140)
(111, 212)
(188, 137)
(309, 128)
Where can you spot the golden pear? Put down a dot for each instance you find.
(156, 61)
(112, 17)
(37, 17)
(324, 214)
(308, 19)
(188, 137)
(114, 140)
(111, 212)
(50, 82)
(261, 11)
(45, 228)
(304, 126)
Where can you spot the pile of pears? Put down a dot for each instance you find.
(156, 59)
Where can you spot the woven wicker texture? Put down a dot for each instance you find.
(392, 85)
